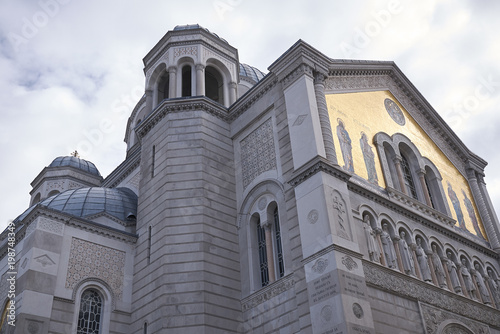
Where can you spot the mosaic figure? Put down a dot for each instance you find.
(456, 206)
(369, 158)
(345, 146)
(472, 215)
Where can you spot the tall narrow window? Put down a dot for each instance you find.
(279, 248)
(153, 153)
(261, 240)
(405, 166)
(89, 317)
(429, 192)
(145, 328)
(163, 88)
(213, 85)
(186, 81)
(149, 245)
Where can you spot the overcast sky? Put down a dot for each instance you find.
(67, 66)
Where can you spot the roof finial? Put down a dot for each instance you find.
(75, 154)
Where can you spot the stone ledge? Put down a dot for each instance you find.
(268, 292)
(409, 287)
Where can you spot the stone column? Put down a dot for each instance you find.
(269, 250)
(149, 100)
(399, 170)
(232, 92)
(200, 80)
(395, 241)
(324, 118)
(415, 262)
(431, 267)
(423, 184)
(172, 81)
(478, 188)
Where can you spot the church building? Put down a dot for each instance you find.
(325, 196)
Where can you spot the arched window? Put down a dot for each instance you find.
(261, 242)
(163, 87)
(186, 81)
(52, 193)
(89, 316)
(408, 177)
(271, 264)
(214, 85)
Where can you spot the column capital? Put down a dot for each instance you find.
(172, 69)
(319, 78)
(200, 67)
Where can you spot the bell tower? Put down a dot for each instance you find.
(187, 250)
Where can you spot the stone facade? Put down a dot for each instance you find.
(234, 213)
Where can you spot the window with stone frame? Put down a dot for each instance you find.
(90, 312)
(270, 249)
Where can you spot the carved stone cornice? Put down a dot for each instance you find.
(251, 97)
(408, 287)
(331, 248)
(268, 292)
(316, 165)
(420, 207)
(197, 103)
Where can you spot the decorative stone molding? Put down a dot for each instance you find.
(269, 292)
(201, 103)
(436, 320)
(419, 206)
(90, 260)
(251, 97)
(316, 165)
(258, 153)
(50, 226)
(409, 287)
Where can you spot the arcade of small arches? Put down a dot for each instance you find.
(406, 170)
(410, 251)
(210, 78)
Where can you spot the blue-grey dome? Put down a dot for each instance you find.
(120, 203)
(251, 72)
(72, 161)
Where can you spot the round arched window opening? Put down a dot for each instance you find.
(214, 89)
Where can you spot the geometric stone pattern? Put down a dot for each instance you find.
(50, 226)
(405, 286)
(257, 152)
(90, 260)
(433, 317)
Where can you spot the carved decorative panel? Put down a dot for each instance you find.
(90, 260)
(257, 152)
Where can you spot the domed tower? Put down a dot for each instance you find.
(63, 173)
(187, 211)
